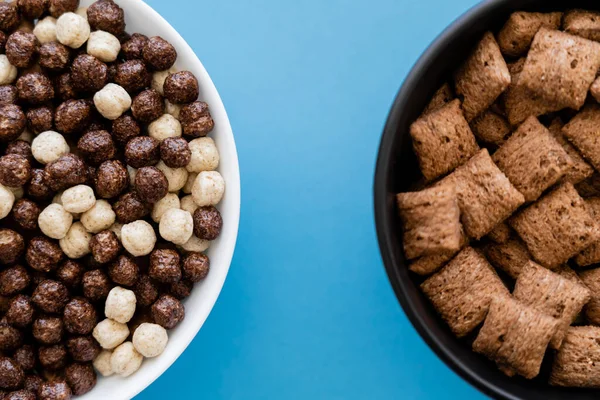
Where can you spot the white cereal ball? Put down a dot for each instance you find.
(8, 72)
(54, 221)
(125, 360)
(7, 199)
(171, 200)
(132, 172)
(176, 226)
(102, 363)
(138, 238)
(187, 189)
(196, 245)
(45, 30)
(109, 334)
(120, 305)
(82, 12)
(172, 109)
(177, 177)
(76, 244)
(116, 228)
(112, 101)
(205, 155)
(165, 127)
(187, 203)
(208, 189)
(98, 218)
(49, 146)
(26, 136)
(18, 191)
(159, 78)
(72, 30)
(150, 340)
(104, 46)
(78, 199)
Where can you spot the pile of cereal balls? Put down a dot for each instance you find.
(108, 187)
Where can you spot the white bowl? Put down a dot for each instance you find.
(141, 18)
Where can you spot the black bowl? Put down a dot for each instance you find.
(397, 171)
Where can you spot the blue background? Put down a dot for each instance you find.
(307, 311)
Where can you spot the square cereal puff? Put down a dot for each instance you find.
(485, 195)
(583, 23)
(440, 98)
(560, 68)
(427, 265)
(591, 255)
(591, 279)
(515, 336)
(566, 272)
(551, 294)
(482, 78)
(509, 257)
(461, 292)
(532, 159)
(500, 234)
(583, 131)
(577, 363)
(557, 227)
(442, 140)
(589, 187)
(431, 221)
(491, 127)
(580, 170)
(516, 35)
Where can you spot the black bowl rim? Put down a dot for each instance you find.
(410, 84)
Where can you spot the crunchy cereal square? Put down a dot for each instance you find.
(583, 131)
(461, 292)
(591, 279)
(440, 98)
(557, 227)
(431, 221)
(491, 127)
(583, 23)
(516, 35)
(509, 257)
(580, 170)
(561, 67)
(577, 363)
(515, 336)
(442, 140)
(532, 159)
(591, 255)
(427, 265)
(482, 78)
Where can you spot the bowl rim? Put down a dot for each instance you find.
(383, 229)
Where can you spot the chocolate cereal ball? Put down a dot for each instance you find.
(130, 208)
(14, 280)
(81, 378)
(73, 116)
(35, 88)
(21, 48)
(25, 357)
(59, 7)
(181, 87)
(40, 119)
(10, 338)
(83, 348)
(50, 296)
(151, 185)
(54, 56)
(43, 254)
(88, 74)
(54, 390)
(196, 120)
(21, 148)
(12, 246)
(165, 266)
(32, 383)
(148, 106)
(70, 273)
(32, 9)
(97, 147)
(64, 87)
(68, 171)
(111, 179)
(38, 187)
(20, 395)
(181, 290)
(146, 291)
(20, 311)
(125, 128)
(79, 315)
(9, 16)
(142, 151)
(123, 271)
(159, 54)
(133, 48)
(133, 75)
(48, 330)
(175, 152)
(11, 374)
(195, 266)
(105, 247)
(8, 93)
(26, 213)
(207, 223)
(167, 311)
(15, 170)
(53, 357)
(107, 16)
(96, 285)
(12, 121)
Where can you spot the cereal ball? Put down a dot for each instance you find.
(181, 88)
(104, 46)
(43, 254)
(106, 15)
(48, 330)
(133, 75)
(70, 273)
(78, 199)
(181, 290)
(150, 340)
(138, 238)
(72, 30)
(8, 72)
(10, 339)
(125, 128)
(173, 109)
(187, 204)
(109, 334)
(158, 80)
(112, 101)
(11, 374)
(148, 106)
(12, 122)
(40, 119)
(9, 16)
(195, 266)
(146, 291)
(8, 94)
(125, 360)
(130, 208)
(96, 285)
(25, 213)
(167, 311)
(83, 348)
(73, 116)
(20, 312)
(21, 148)
(53, 357)
(164, 266)
(88, 74)
(12, 246)
(190, 182)
(21, 48)
(133, 48)
(165, 127)
(97, 146)
(151, 184)
(54, 56)
(159, 53)
(38, 186)
(32, 9)
(205, 155)
(50, 296)
(21, 395)
(208, 189)
(7, 199)
(175, 152)
(49, 146)
(79, 316)
(68, 171)
(45, 30)
(81, 378)
(25, 357)
(14, 280)
(120, 305)
(64, 89)
(60, 7)
(105, 247)
(111, 179)
(55, 221)
(171, 200)
(207, 223)
(76, 244)
(124, 271)
(102, 363)
(196, 120)
(32, 383)
(176, 226)
(15, 170)
(54, 390)
(142, 151)
(176, 177)
(35, 88)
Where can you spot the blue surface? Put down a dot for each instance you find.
(307, 311)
